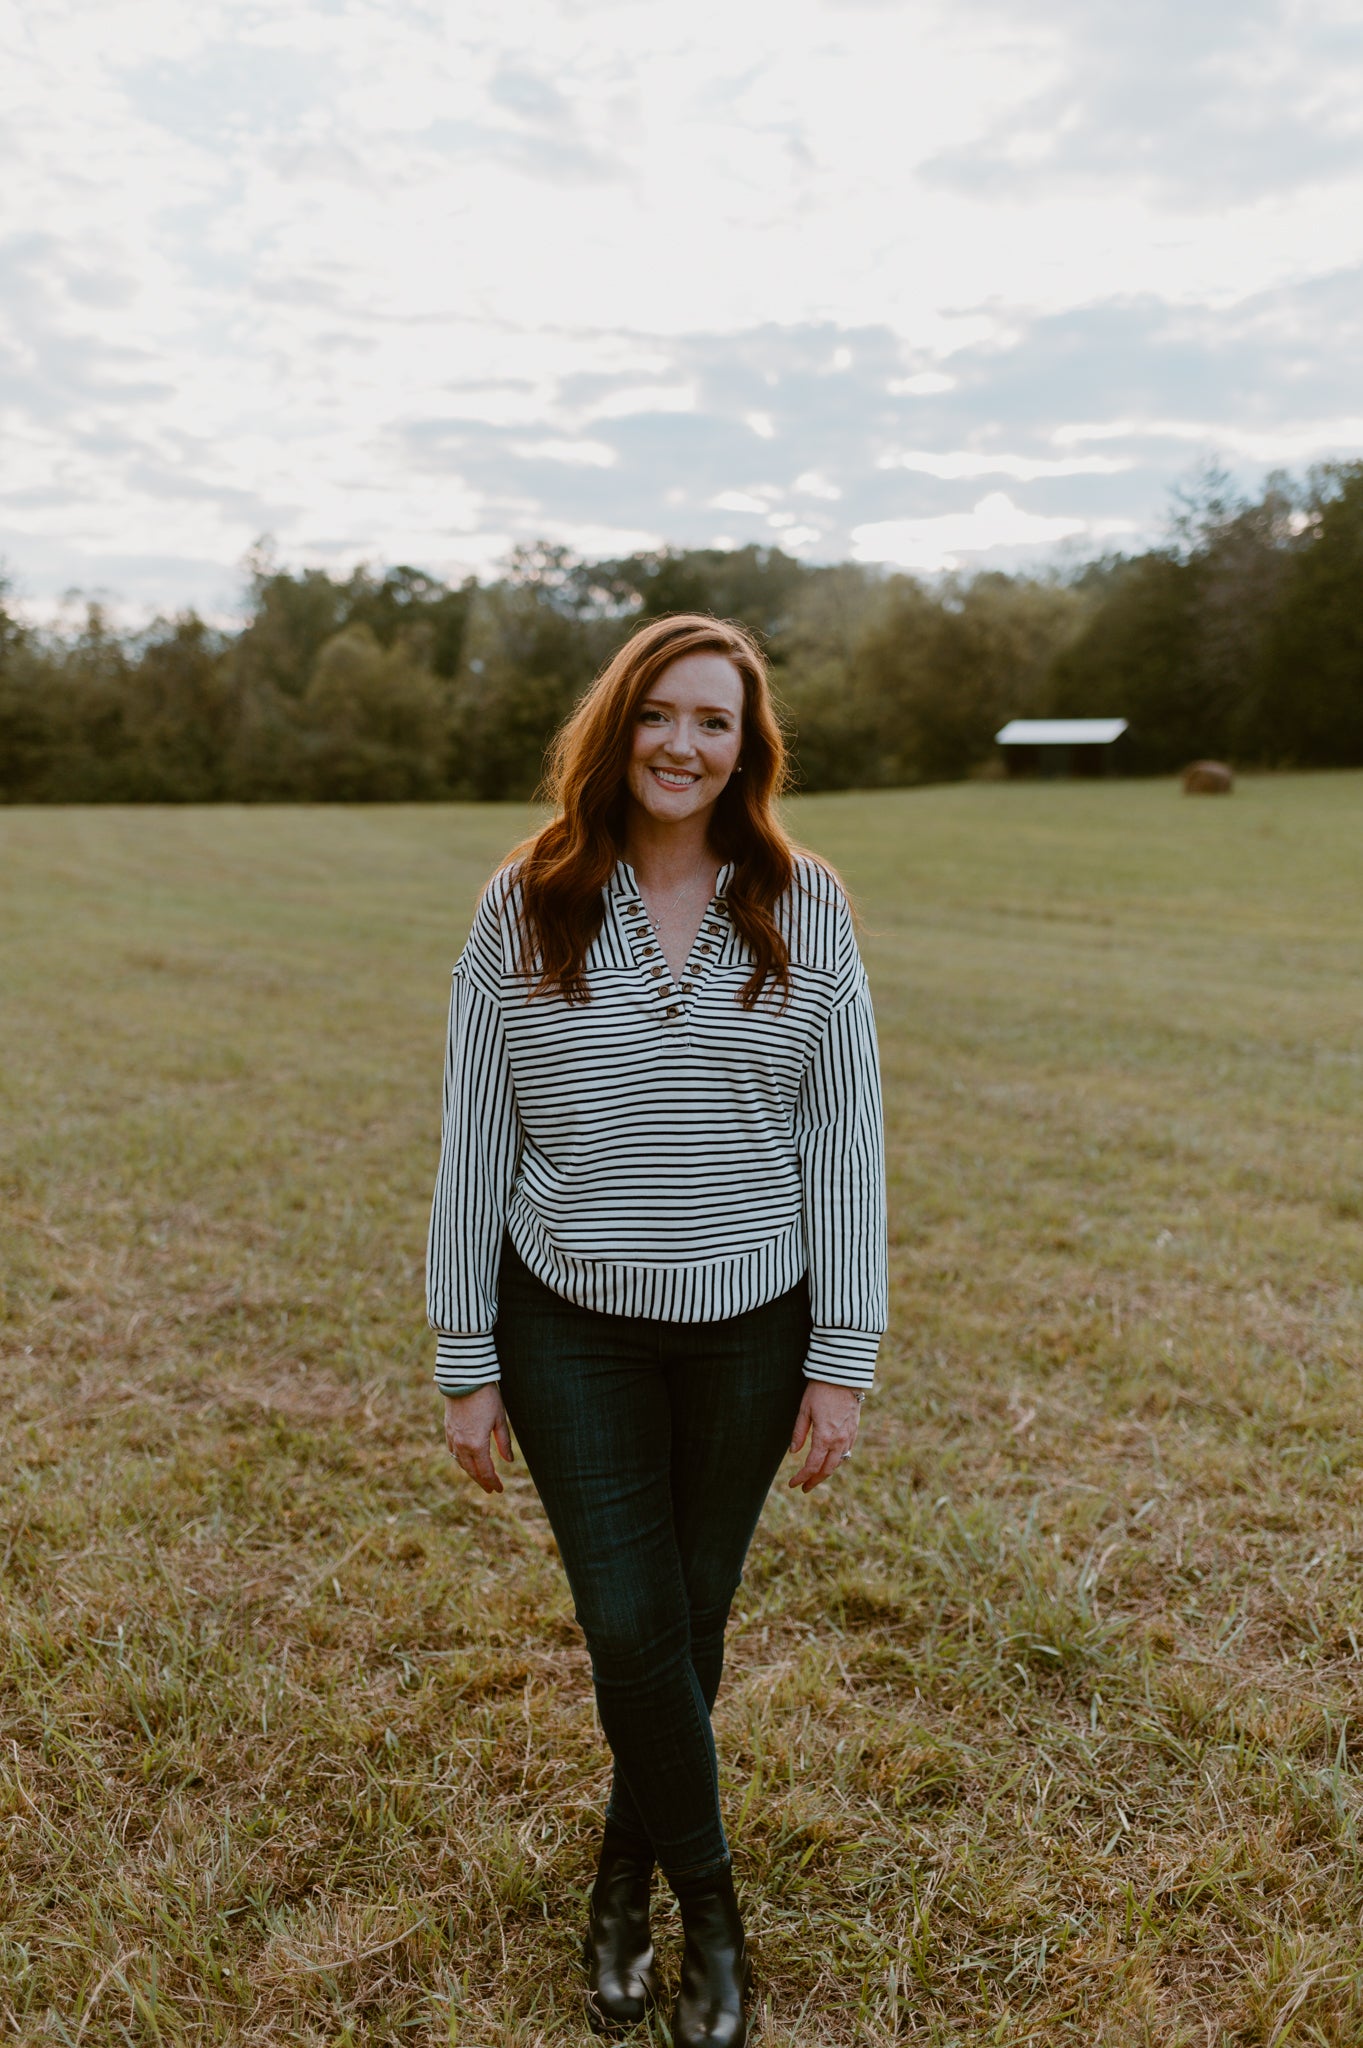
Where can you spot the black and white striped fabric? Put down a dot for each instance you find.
(660, 1151)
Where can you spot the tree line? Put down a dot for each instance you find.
(1240, 637)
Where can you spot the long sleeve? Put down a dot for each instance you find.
(840, 1141)
(479, 1150)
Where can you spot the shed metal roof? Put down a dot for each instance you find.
(1060, 732)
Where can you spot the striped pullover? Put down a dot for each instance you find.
(660, 1151)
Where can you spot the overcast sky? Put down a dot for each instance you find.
(933, 285)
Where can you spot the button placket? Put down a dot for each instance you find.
(675, 998)
(646, 953)
(703, 957)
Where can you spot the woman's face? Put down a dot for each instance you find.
(687, 734)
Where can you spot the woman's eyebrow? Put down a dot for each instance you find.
(701, 710)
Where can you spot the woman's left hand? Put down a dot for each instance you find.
(829, 1416)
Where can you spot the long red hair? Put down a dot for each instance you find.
(565, 867)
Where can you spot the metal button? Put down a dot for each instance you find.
(705, 949)
(649, 951)
(655, 970)
(673, 1010)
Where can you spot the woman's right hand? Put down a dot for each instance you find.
(473, 1424)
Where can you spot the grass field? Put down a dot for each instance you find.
(1042, 1725)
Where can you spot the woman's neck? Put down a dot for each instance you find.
(667, 854)
(675, 870)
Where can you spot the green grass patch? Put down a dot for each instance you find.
(1041, 1725)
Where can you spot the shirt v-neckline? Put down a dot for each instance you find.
(671, 996)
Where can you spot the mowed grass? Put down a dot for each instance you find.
(1042, 1724)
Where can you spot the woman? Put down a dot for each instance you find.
(657, 1244)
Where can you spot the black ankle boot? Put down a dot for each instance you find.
(618, 1947)
(715, 1976)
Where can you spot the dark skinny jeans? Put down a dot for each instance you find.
(653, 1446)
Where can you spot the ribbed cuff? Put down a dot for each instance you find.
(464, 1361)
(845, 1358)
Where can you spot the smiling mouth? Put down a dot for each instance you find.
(674, 778)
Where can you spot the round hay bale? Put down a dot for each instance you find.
(1208, 778)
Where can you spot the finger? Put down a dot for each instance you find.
(803, 1423)
(501, 1431)
(477, 1462)
(825, 1456)
(813, 1468)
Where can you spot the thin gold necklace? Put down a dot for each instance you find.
(673, 901)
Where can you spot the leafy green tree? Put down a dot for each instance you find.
(821, 683)
(290, 619)
(25, 713)
(1137, 659)
(29, 740)
(1312, 665)
(1177, 643)
(82, 685)
(754, 584)
(408, 604)
(182, 706)
(944, 669)
(375, 720)
(533, 644)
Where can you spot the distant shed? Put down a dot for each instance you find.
(1061, 746)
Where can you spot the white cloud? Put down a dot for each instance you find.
(602, 542)
(588, 454)
(1295, 442)
(813, 485)
(739, 501)
(922, 384)
(637, 398)
(944, 542)
(965, 462)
